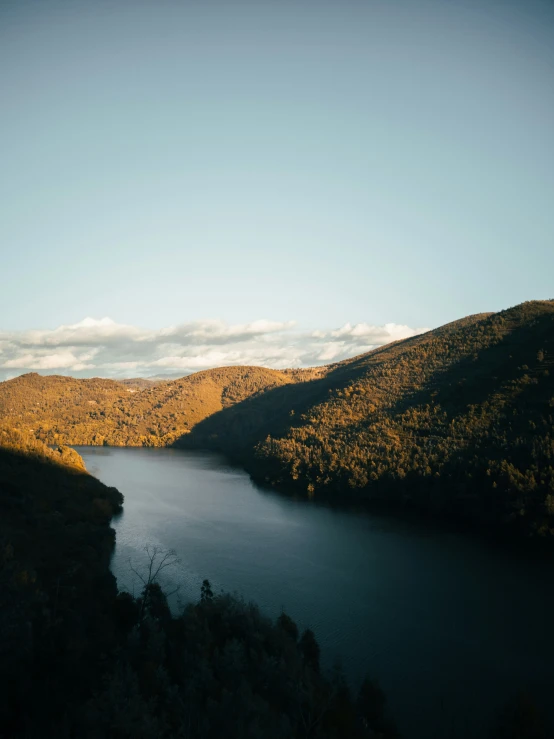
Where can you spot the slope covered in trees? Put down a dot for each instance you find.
(456, 420)
(56, 591)
(63, 410)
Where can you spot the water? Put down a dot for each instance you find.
(449, 626)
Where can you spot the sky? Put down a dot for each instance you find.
(188, 183)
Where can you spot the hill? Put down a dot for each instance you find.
(64, 410)
(456, 420)
(56, 591)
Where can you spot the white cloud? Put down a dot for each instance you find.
(38, 361)
(373, 334)
(109, 349)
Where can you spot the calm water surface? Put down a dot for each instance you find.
(448, 626)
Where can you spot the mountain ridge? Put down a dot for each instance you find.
(65, 410)
(459, 418)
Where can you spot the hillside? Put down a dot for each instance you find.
(238, 429)
(456, 420)
(56, 591)
(63, 410)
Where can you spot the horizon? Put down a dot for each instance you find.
(336, 178)
(196, 347)
(104, 348)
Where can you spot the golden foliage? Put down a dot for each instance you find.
(64, 410)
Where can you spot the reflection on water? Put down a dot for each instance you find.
(449, 626)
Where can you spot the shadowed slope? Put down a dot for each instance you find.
(56, 591)
(236, 428)
(460, 418)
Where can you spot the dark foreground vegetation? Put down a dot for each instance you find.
(78, 659)
(56, 590)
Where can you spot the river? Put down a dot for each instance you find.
(449, 626)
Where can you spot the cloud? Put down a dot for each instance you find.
(108, 349)
(40, 361)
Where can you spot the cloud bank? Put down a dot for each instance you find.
(105, 348)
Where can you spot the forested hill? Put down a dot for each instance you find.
(458, 419)
(56, 591)
(64, 410)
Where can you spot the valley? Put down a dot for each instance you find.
(457, 421)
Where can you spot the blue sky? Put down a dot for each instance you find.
(330, 164)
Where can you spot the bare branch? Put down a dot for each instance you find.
(137, 573)
(168, 560)
(158, 560)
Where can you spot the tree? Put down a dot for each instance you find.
(158, 560)
(206, 592)
(520, 719)
(371, 708)
(310, 649)
(288, 626)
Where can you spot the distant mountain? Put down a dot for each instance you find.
(64, 410)
(139, 383)
(459, 419)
